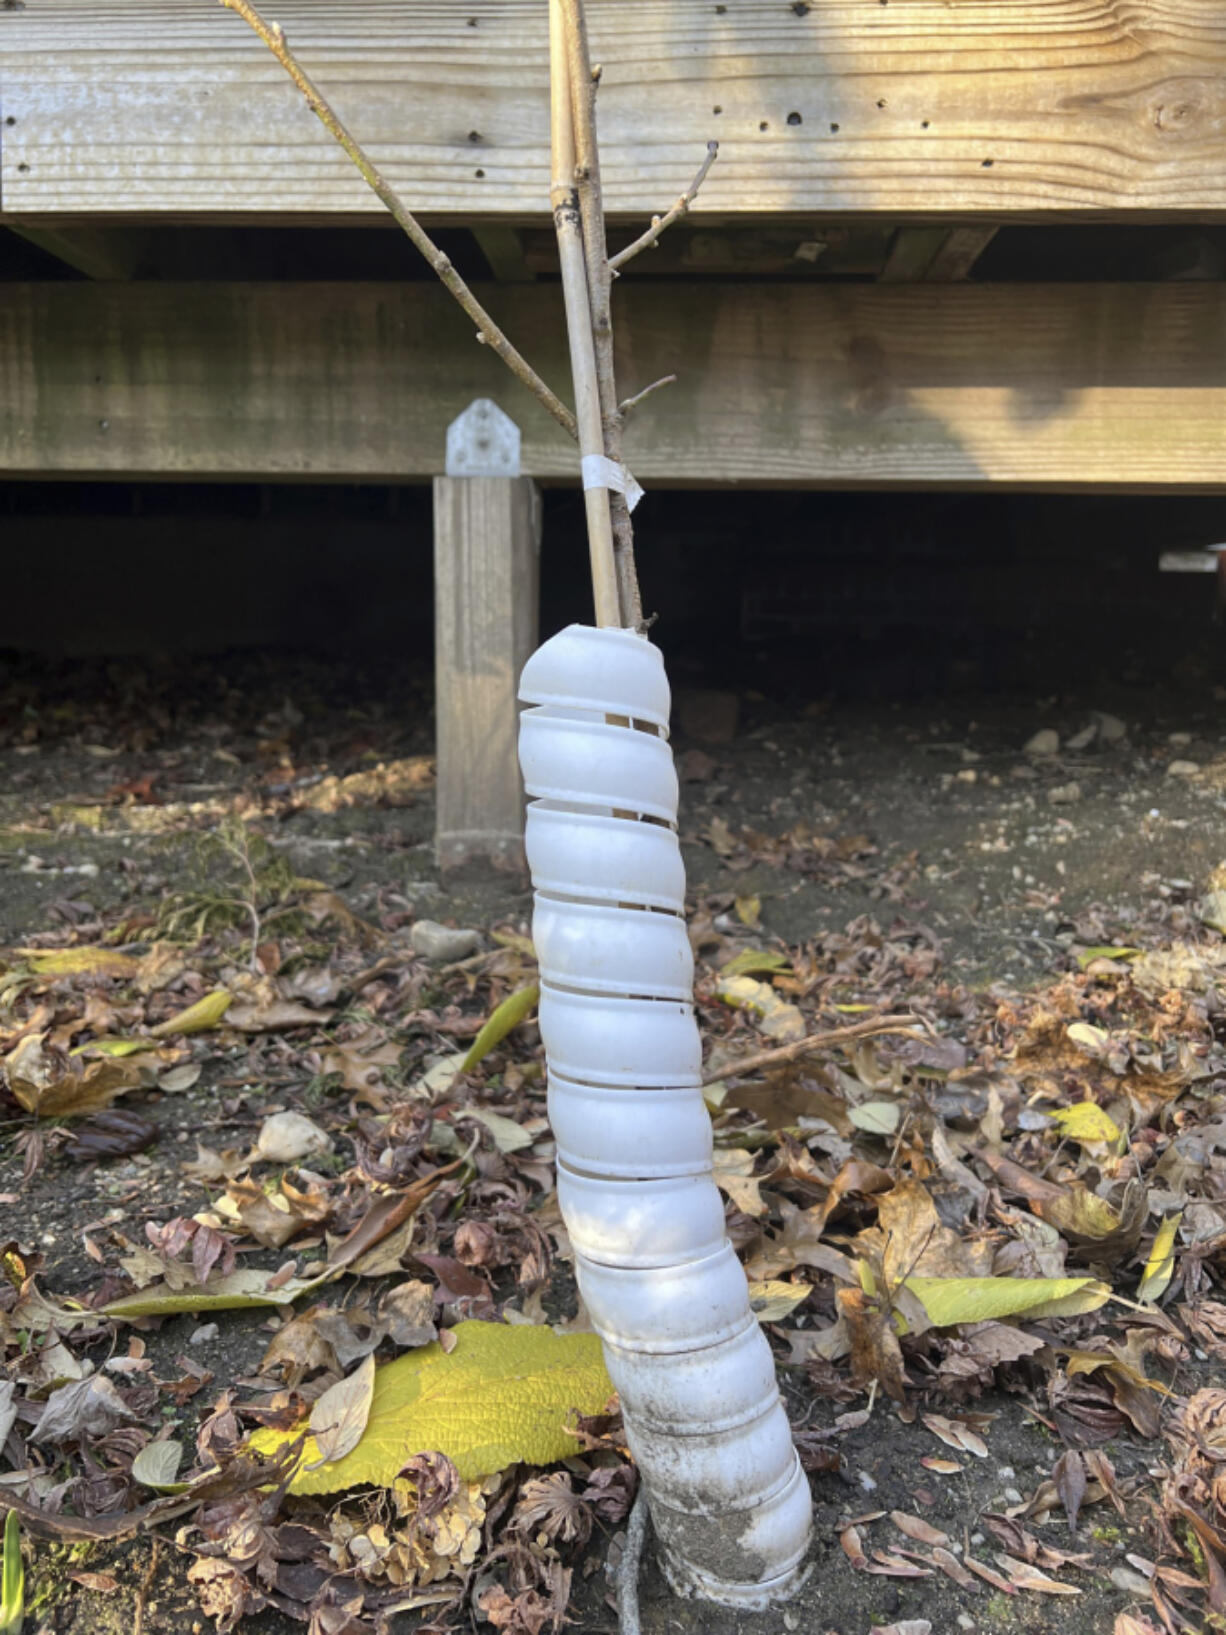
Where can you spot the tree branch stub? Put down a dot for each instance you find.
(659, 224)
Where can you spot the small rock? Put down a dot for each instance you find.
(965, 1621)
(441, 943)
(204, 1335)
(1013, 1495)
(967, 775)
(1179, 740)
(1045, 742)
(1064, 794)
(1182, 769)
(1084, 738)
(1110, 728)
(866, 1481)
(978, 1538)
(1213, 910)
(286, 1137)
(1132, 1583)
(1006, 1473)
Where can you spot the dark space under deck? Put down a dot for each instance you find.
(885, 597)
(889, 658)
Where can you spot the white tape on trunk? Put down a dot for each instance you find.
(601, 472)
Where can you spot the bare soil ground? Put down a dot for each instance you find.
(858, 830)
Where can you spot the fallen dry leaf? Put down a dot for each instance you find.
(50, 1084)
(916, 1528)
(338, 1418)
(955, 1433)
(875, 1353)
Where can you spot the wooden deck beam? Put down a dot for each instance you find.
(956, 386)
(920, 110)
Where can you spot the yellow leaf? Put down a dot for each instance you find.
(1086, 1122)
(506, 1016)
(1078, 1210)
(776, 1018)
(771, 1302)
(950, 1300)
(1087, 956)
(79, 962)
(1161, 1263)
(206, 1013)
(502, 1395)
(754, 961)
(111, 1047)
(749, 910)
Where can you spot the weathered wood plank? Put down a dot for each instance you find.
(1074, 386)
(956, 258)
(912, 253)
(487, 535)
(922, 109)
(503, 249)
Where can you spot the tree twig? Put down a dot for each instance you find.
(142, 1594)
(568, 227)
(629, 404)
(583, 87)
(800, 1048)
(659, 223)
(488, 332)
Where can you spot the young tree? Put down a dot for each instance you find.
(728, 1500)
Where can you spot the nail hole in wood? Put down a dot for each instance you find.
(794, 118)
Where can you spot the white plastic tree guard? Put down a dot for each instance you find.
(730, 1504)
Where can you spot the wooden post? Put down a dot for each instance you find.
(487, 535)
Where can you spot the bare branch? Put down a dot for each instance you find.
(628, 404)
(584, 81)
(488, 331)
(800, 1048)
(569, 229)
(659, 223)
